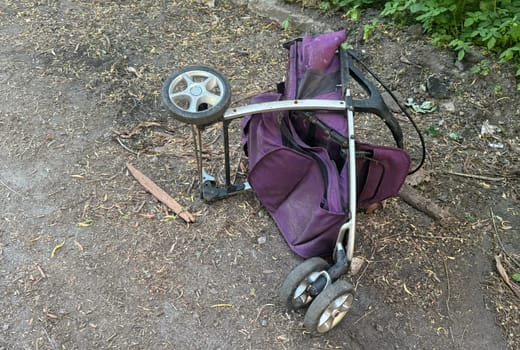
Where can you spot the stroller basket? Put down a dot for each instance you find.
(308, 198)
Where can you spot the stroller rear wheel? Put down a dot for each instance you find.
(196, 95)
(329, 307)
(295, 289)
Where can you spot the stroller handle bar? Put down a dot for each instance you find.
(307, 104)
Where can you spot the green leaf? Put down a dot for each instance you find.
(325, 5)
(433, 131)
(487, 5)
(514, 31)
(346, 46)
(460, 55)
(354, 14)
(491, 43)
(469, 22)
(417, 7)
(516, 277)
(286, 23)
(475, 69)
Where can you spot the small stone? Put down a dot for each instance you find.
(437, 88)
(473, 56)
(459, 65)
(264, 323)
(262, 240)
(416, 31)
(355, 265)
(448, 106)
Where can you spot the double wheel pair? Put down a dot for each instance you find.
(326, 309)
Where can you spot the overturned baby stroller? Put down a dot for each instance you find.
(303, 133)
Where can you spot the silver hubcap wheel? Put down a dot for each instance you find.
(196, 90)
(337, 309)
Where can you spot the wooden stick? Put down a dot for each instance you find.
(502, 271)
(160, 194)
(419, 202)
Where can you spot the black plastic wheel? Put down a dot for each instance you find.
(294, 290)
(329, 307)
(196, 95)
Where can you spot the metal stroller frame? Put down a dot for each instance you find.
(205, 101)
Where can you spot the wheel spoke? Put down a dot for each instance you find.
(345, 306)
(181, 94)
(187, 79)
(210, 83)
(300, 291)
(183, 100)
(300, 294)
(194, 104)
(211, 98)
(327, 323)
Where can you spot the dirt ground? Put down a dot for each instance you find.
(89, 260)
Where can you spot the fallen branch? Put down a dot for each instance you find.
(419, 202)
(160, 194)
(503, 273)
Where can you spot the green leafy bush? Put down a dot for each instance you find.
(459, 24)
(352, 7)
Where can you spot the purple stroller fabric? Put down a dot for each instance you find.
(297, 173)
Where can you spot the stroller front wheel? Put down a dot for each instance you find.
(196, 95)
(329, 307)
(295, 289)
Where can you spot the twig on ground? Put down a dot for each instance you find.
(160, 194)
(436, 237)
(362, 317)
(125, 147)
(260, 311)
(499, 240)
(139, 207)
(479, 177)
(448, 288)
(40, 270)
(10, 189)
(111, 337)
(503, 273)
